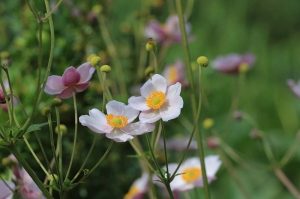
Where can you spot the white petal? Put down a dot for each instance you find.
(191, 162)
(174, 90)
(96, 121)
(138, 103)
(170, 112)
(116, 108)
(159, 82)
(212, 164)
(130, 113)
(147, 88)
(141, 183)
(119, 136)
(138, 128)
(5, 192)
(86, 71)
(149, 116)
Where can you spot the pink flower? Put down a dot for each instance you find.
(175, 73)
(165, 33)
(232, 62)
(73, 80)
(6, 188)
(294, 86)
(3, 104)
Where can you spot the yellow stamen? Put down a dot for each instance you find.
(172, 76)
(190, 175)
(155, 100)
(133, 191)
(117, 121)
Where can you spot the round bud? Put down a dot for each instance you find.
(56, 102)
(97, 9)
(105, 68)
(243, 68)
(202, 61)
(150, 45)
(208, 123)
(94, 60)
(61, 129)
(45, 110)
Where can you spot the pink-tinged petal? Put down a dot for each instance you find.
(249, 59)
(71, 76)
(5, 191)
(227, 64)
(147, 88)
(294, 86)
(66, 93)
(95, 121)
(175, 73)
(54, 85)
(119, 136)
(138, 128)
(174, 90)
(130, 113)
(81, 87)
(149, 116)
(138, 103)
(159, 83)
(116, 108)
(86, 71)
(155, 31)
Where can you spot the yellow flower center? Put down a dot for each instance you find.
(117, 121)
(172, 76)
(133, 191)
(190, 175)
(155, 100)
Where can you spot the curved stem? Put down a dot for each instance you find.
(287, 183)
(75, 135)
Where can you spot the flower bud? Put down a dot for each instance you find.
(150, 45)
(97, 9)
(61, 129)
(94, 60)
(56, 102)
(105, 68)
(255, 134)
(244, 67)
(202, 61)
(213, 142)
(208, 123)
(45, 111)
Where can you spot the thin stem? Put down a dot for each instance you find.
(53, 10)
(75, 135)
(59, 143)
(287, 183)
(154, 59)
(35, 156)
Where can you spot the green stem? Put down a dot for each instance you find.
(59, 144)
(75, 135)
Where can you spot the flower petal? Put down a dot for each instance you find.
(66, 93)
(5, 191)
(147, 88)
(95, 121)
(70, 76)
(119, 136)
(138, 128)
(171, 110)
(116, 108)
(149, 116)
(86, 71)
(138, 103)
(159, 82)
(212, 164)
(174, 90)
(81, 87)
(130, 113)
(54, 85)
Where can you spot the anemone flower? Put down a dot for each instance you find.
(138, 188)
(73, 80)
(175, 73)
(231, 63)
(117, 124)
(294, 86)
(6, 189)
(165, 33)
(158, 100)
(189, 175)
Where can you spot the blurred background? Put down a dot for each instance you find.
(268, 29)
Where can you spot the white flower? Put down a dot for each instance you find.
(158, 100)
(117, 124)
(138, 188)
(189, 175)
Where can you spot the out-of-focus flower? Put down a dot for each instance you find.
(231, 63)
(294, 86)
(6, 188)
(3, 104)
(175, 73)
(178, 144)
(165, 33)
(138, 188)
(190, 174)
(158, 100)
(208, 123)
(213, 142)
(117, 124)
(73, 80)
(24, 184)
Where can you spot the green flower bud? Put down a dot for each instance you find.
(94, 60)
(150, 45)
(202, 61)
(56, 102)
(97, 9)
(105, 68)
(45, 110)
(61, 129)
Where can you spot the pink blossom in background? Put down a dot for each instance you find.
(175, 73)
(232, 62)
(3, 104)
(165, 33)
(6, 188)
(138, 188)
(73, 80)
(294, 86)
